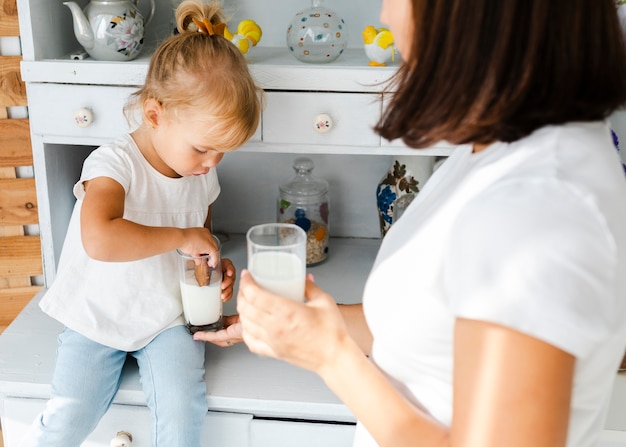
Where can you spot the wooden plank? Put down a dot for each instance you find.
(12, 88)
(12, 301)
(15, 143)
(12, 230)
(8, 18)
(20, 256)
(18, 202)
(7, 172)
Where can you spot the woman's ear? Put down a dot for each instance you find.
(152, 112)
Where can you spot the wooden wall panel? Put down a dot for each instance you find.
(13, 300)
(12, 88)
(8, 18)
(18, 202)
(20, 254)
(15, 145)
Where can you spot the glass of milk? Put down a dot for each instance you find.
(277, 258)
(200, 289)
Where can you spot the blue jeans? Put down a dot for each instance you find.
(87, 376)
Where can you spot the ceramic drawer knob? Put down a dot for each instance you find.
(83, 117)
(122, 439)
(323, 123)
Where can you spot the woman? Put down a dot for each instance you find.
(504, 322)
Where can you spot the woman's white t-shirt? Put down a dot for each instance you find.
(530, 235)
(124, 305)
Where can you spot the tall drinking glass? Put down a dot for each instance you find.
(200, 289)
(277, 258)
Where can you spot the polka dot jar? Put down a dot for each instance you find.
(317, 35)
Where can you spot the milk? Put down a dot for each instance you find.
(202, 305)
(280, 272)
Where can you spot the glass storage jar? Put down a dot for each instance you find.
(303, 200)
(317, 34)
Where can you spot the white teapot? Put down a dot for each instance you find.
(111, 30)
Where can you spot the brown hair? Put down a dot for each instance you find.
(207, 73)
(495, 70)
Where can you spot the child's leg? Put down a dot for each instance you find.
(86, 378)
(172, 374)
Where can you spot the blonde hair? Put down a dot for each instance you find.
(195, 71)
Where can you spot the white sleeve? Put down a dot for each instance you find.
(105, 161)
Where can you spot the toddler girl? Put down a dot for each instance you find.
(139, 199)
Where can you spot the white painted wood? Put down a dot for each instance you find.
(290, 116)
(272, 68)
(52, 110)
(302, 434)
(237, 381)
(219, 428)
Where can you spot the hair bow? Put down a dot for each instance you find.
(209, 28)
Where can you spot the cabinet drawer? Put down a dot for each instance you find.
(52, 110)
(291, 117)
(274, 433)
(219, 428)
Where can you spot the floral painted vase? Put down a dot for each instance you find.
(399, 186)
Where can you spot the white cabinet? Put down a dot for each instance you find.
(347, 93)
(253, 401)
(219, 428)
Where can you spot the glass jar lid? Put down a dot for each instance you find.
(303, 184)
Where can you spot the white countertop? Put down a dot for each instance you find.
(237, 380)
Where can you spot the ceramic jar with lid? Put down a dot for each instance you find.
(303, 200)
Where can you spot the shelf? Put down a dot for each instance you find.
(274, 68)
(237, 380)
(439, 149)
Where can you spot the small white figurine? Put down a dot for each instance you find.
(378, 44)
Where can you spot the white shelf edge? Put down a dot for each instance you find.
(272, 68)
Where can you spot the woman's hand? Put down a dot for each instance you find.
(229, 336)
(305, 334)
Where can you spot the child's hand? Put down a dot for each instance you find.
(200, 241)
(228, 279)
(229, 336)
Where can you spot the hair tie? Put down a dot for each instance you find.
(206, 27)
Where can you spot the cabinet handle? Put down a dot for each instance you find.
(122, 439)
(83, 117)
(322, 123)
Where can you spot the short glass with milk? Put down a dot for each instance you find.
(201, 288)
(277, 258)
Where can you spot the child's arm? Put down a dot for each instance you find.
(107, 236)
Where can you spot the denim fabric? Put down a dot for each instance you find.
(87, 376)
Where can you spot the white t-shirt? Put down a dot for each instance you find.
(124, 305)
(530, 235)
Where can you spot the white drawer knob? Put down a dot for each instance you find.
(83, 117)
(122, 439)
(323, 123)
